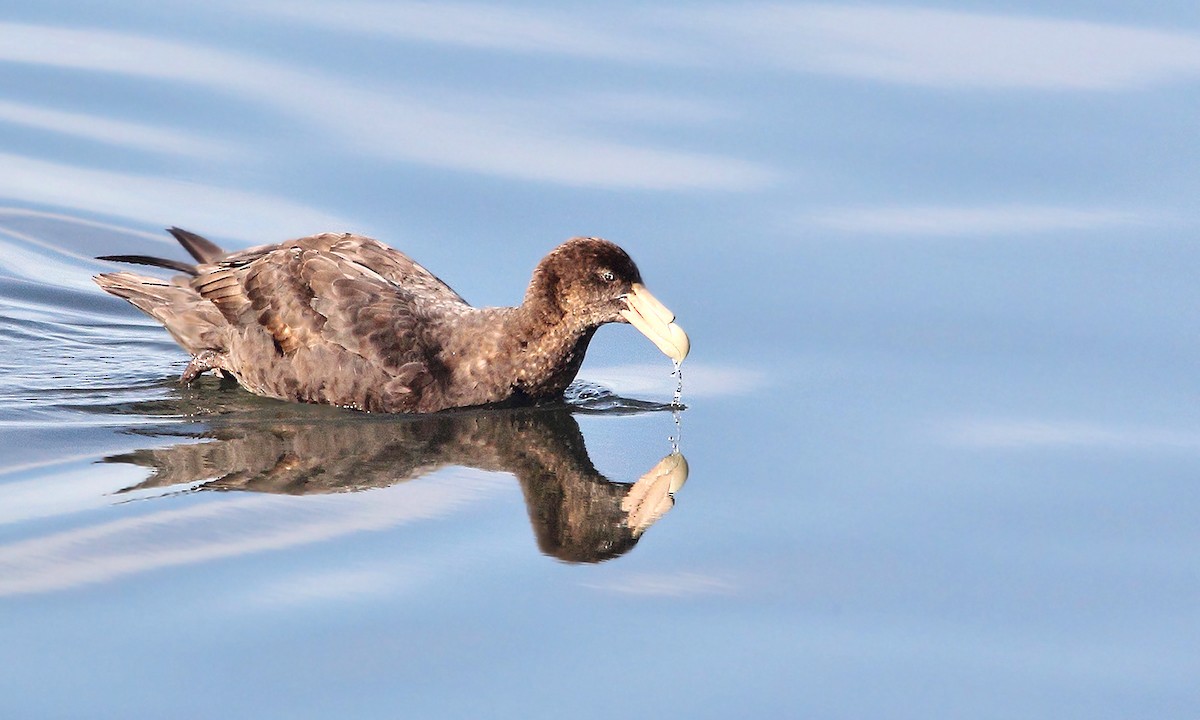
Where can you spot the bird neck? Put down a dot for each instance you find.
(547, 344)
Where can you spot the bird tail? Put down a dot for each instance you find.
(194, 322)
(200, 248)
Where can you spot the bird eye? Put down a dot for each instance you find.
(608, 276)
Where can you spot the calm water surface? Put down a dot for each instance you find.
(943, 424)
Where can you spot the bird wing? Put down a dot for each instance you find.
(346, 290)
(396, 267)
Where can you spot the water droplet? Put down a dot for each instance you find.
(678, 373)
(678, 436)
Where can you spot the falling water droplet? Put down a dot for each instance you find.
(678, 436)
(678, 373)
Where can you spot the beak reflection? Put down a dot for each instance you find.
(654, 493)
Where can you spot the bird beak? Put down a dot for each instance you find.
(656, 322)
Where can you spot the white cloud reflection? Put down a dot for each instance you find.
(967, 221)
(907, 45)
(147, 197)
(535, 138)
(137, 136)
(941, 48)
(227, 527)
(1030, 434)
(334, 585)
(544, 30)
(470, 136)
(584, 137)
(699, 379)
(670, 584)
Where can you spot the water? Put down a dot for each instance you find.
(678, 373)
(938, 268)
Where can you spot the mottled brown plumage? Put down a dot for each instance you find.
(345, 320)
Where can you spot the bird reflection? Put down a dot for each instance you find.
(578, 515)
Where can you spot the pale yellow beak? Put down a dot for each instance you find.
(656, 322)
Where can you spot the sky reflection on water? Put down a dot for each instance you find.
(937, 263)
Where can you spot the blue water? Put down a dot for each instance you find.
(938, 267)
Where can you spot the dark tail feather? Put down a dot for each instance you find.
(203, 249)
(156, 262)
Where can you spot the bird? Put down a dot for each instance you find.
(343, 319)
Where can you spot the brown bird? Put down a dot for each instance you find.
(345, 320)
